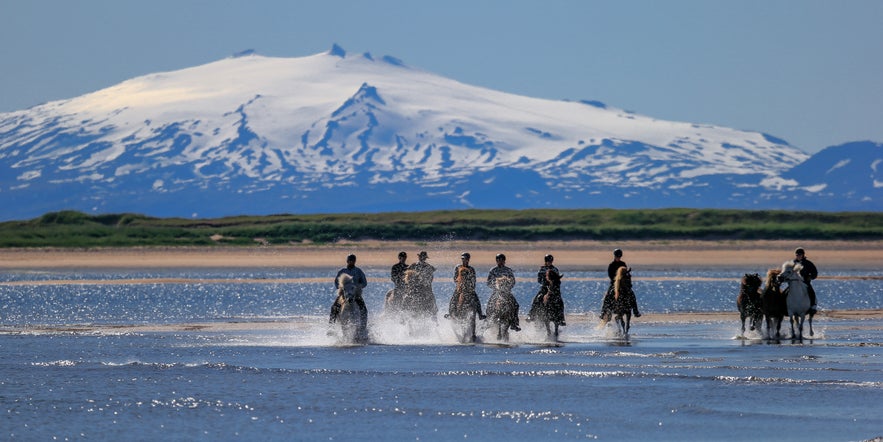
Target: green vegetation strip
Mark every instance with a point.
(76, 229)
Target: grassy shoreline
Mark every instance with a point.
(70, 229)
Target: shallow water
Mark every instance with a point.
(666, 381)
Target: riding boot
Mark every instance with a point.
(363, 310)
(813, 309)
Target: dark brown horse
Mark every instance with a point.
(548, 306)
(464, 306)
(502, 308)
(622, 300)
(748, 301)
(773, 304)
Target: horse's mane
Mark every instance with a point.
(623, 276)
(505, 283)
(342, 281)
(771, 276)
(411, 276)
(553, 276)
(460, 282)
(794, 267)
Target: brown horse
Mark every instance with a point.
(748, 301)
(623, 298)
(502, 308)
(548, 306)
(773, 304)
(418, 300)
(464, 306)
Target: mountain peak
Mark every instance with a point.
(337, 51)
(255, 129)
(245, 53)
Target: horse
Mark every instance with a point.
(623, 299)
(464, 307)
(548, 306)
(502, 308)
(417, 303)
(773, 304)
(797, 298)
(353, 324)
(748, 301)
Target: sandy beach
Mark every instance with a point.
(586, 255)
(573, 255)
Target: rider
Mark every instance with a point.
(611, 273)
(499, 271)
(425, 272)
(359, 279)
(809, 273)
(543, 280)
(397, 275)
(464, 270)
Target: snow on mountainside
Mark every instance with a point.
(335, 132)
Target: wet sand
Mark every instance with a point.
(585, 255)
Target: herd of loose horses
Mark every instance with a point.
(766, 301)
(757, 301)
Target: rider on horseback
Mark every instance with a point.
(607, 307)
(359, 279)
(543, 280)
(502, 271)
(809, 273)
(464, 274)
(397, 275)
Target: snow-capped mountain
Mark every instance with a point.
(335, 132)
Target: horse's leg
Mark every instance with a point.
(628, 321)
(810, 324)
(800, 327)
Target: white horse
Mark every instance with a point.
(353, 325)
(798, 297)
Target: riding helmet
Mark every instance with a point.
(501, 256)
(465, 255)
(548, 258)
(617, 252)
(403, 255)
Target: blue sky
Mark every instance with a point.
(807, 71)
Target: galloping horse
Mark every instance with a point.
(548, 306)
(502, 308)
(623, 299)
(773, 304)
(798, 297)
(353, 325)
(748, 301)
(464, 306)
(418, 300)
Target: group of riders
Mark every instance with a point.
(417, 278)
(412, 291)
